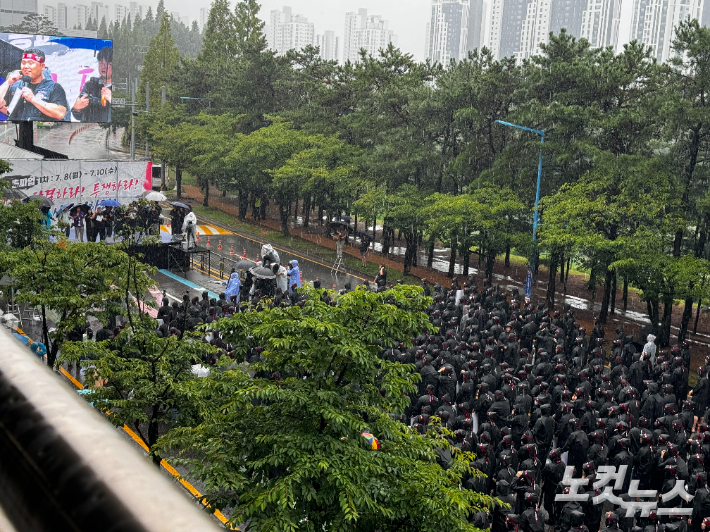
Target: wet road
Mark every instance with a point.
(211, 268)
(75, 142)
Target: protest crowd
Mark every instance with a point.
(571, 434)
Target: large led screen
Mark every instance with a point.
(55, 79)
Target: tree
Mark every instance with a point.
(21, 223)
(33, 24)
(687, 110)
(613, 209)
(142, 377)
(75, 280)
(285, 449)
(102, 32)
(160, 61)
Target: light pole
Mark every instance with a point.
(536, 220)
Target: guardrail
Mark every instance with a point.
(64, 468)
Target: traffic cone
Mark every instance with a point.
(220, 245)
(333, 287)
(245, 253)
(301, 278)
(197, 238)
(257, 257)
(208, 241)
(231, 251)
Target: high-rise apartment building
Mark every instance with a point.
(13, 11)
(448, 31)
(600, 22)
(99, 11)
(535, 29)
(120, 12)
(653, 22)
(51, 13)
(287, 31)
(329, 46)
(368, 32)
(204, 15)
(567, 14)
(476, 25)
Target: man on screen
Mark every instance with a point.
(38, 98)
(94, 101)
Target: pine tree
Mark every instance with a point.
(219, 44)
(102, 32)
(249, 27)
(159, 63)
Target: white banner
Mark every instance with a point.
(78, 182)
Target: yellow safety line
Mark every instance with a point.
(170, 469)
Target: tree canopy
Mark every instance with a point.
(285, 449)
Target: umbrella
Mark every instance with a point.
(346, 218)
(374, 442)
(178, 204)
(110, 203)
(363, 234)
(14, 193)
(262, 273)
(65, 206)
(75, 207)
(244, 264)
(154, 196)
(46, 203)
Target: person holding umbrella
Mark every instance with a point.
(78, 220)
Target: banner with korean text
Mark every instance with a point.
(78, 182)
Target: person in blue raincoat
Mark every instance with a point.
(294, 275)
(233, 287)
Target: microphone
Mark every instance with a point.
(18, 93)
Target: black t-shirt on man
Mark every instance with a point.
(47, 90)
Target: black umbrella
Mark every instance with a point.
(263, 273)
(363, 234)
(346, 218)
(73, 210)
(14, 193)
(47, 203)
(244, 264)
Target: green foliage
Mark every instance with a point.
(142, 377)
(159, 63)
(285, 450)
(75, 280)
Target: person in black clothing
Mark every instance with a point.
(90, 225)
(94, 101)
(41, 99)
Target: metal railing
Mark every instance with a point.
(63, 467)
